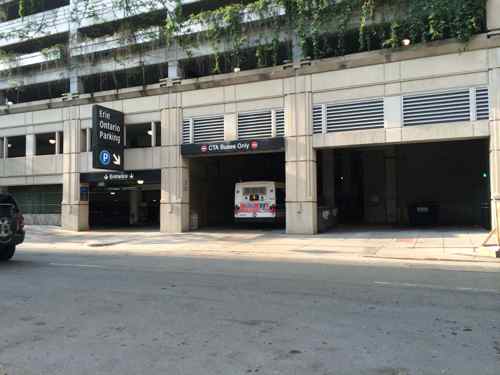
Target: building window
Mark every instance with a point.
(16, 146)
(139, 135)
(45, 144)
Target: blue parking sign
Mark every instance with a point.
(105, 157)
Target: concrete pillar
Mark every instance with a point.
(328, 177)
(230, 127)
(493, 15)
(88, 140)
(297, 53)
(300, 165)
(174, 206)
(58, 143)
(30, 151)
(153, 134)
(175, 70)
(75, 83)
(134, 202)
(30, 145)
(391, 185)
(494, 91)
(75, 213)
(5, 146)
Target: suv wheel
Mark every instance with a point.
(7, 252)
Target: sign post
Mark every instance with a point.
(108, 138)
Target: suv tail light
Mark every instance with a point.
(20, 221)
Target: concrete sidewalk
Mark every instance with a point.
(448, 244)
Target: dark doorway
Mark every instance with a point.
(440, 183)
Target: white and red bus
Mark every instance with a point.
(259, 201)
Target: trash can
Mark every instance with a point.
(423, 213)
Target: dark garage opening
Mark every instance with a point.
(116, 207)
(123, 199)
(428, 184)
(213, 180)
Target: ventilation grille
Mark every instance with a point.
(186, 131)
(280, 123)
(482, 104)
(318, 119)
(255, 125)
(208, 129)
(367, 114)
(436, 108)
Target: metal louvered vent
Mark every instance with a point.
(255, 125)
(208, 129)
(482, 104)
(280, 123)
(425, 109)
(366, 114)
(186, 131)
(318, 119)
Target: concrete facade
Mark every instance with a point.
(390, 75)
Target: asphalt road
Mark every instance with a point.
(97, 313)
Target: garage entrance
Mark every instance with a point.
(123, 200)
(432, 184)
(213, 176)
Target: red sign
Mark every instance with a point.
(204, 148)
(254, 145)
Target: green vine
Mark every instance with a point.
(316, 28)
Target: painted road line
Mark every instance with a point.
(436, 287)
(79, 265)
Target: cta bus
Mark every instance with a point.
(259, 202)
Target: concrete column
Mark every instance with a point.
(494, 90)
(134, 201)
(297, 53)
(30, 145)
(5, 146)
(75, 83)
(492, 13)
(75, 213)
(175, 70)
(153, 134)
(391, 185)
(58, 143)
(300, 165)
(88, 136)
(328, 177)
(230, 127)
(174, 206)
(30, 151)
(393, 115)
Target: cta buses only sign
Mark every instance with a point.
(107, 137)
(234, 147)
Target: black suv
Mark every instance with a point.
(11, 226)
